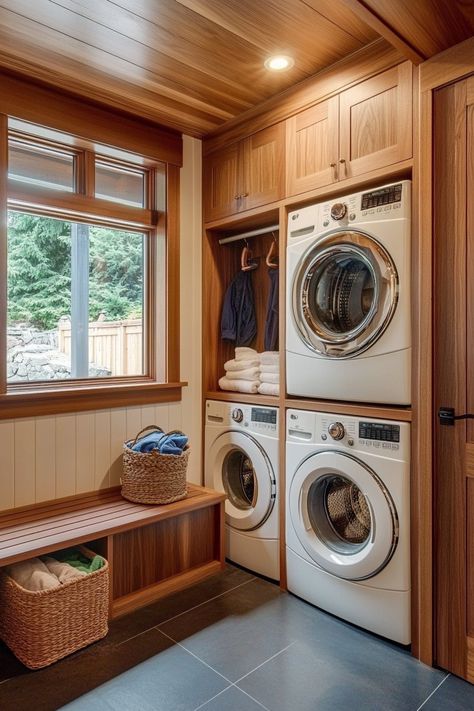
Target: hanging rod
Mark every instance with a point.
(252, 233)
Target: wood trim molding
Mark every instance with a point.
(55, 401)
(173, 272)
(38, 104)
(382, 28)
(368, 61)
(448, 66)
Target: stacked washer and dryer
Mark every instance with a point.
(348, 339)
(347, 477)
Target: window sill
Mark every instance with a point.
(62, 399)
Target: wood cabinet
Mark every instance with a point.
(362, 129)
(375, 122)
(246, 174)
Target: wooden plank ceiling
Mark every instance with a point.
(193, 65)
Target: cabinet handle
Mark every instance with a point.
(342, 161)
(334, 166)
(237, 197)
(244, 195)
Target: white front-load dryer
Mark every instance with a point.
(241, 460)
(348, 518)
(348, 334)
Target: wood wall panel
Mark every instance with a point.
(150, 554)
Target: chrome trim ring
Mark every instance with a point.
(366, 249)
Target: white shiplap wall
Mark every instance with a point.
(44, 458)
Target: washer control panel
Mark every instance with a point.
(379, 437)
(383, 196)
(379, 431)
(249, 418)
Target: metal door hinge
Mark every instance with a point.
(447, 416)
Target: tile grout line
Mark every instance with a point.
(170, 619)
(213, 697)
(265, 662)
(148, 629)
(433, 692)
(231, 683)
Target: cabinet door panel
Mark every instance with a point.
(312, 146)
(376, 122)
(263, 167)
(220, 183)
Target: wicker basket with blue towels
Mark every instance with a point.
(154, 466)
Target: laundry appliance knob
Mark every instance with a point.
(237, 415)
(338, 211)
(336, 430)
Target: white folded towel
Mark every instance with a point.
(269, 389)
(63, 571)
(269, 368)
(269, 358)
(236, 365)
(32, 575)
(244, 353)
(270, 378)
(249, 374)
(239, 386)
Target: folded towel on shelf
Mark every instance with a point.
(173, 443)
(270, 378)
(245, 353)
(269, 368)
(239, 386)
(249, 374)
(32, 575)
(63, 571)
(270, 358)
(269, 389)
(236, 365)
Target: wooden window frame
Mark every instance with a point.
(158, 219)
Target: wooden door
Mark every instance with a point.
(376, 122)
(453, 219)
(263, 167)
(312, 147)
(221, 183)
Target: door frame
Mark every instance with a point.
(445, 68)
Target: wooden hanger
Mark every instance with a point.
(271, 252)
(246, 263)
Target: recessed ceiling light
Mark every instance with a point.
(279, 63)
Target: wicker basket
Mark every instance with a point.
(43, 626)
(151, 477)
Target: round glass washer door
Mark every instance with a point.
(242, 470)
(345, 292)
(343, 515)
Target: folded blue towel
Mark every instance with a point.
(173, 443)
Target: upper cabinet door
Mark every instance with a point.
(221, 183)
(376, 122)
(312, 138)
(263, 167)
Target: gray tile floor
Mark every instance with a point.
(233, 643)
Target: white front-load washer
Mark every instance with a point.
(241, 460)
(348, 333)
(348, 518)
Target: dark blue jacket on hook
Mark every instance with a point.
(238, 321)
(271, 323)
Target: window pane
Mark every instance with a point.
(119, 184)
(75, 300)
(37, 165)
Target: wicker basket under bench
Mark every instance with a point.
(152, 551)
(43, 626)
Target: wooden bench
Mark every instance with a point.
(152, 550)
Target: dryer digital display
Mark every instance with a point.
(264, 414)
(379, 431)
(384, 196)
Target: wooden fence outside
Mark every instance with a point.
(115, 345)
